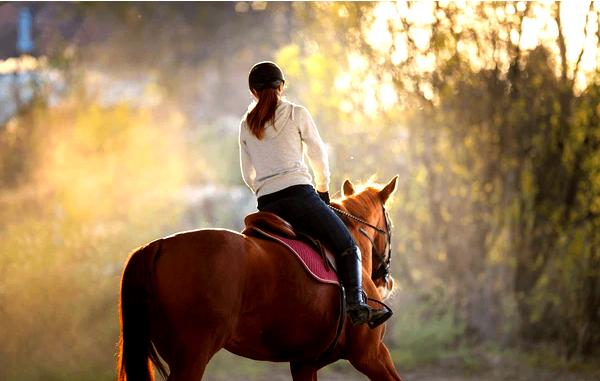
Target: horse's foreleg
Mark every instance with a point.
(303, 372)
(376, 364)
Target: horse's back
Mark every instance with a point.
(201, 266)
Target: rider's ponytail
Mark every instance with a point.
(264, 81)
(263, 112)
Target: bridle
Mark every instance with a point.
(382, 272)
(385, 258)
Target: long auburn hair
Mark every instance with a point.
(263, 111)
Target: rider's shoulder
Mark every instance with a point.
(298, 110)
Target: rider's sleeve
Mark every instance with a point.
(316, 151)
(248, 170)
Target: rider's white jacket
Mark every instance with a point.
(277, 161)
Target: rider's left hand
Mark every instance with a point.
(324, 196)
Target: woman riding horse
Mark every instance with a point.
(271, 139)
(187, 296)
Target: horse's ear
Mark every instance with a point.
(387, 191)
(347, 188)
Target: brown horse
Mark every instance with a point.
(186, 296)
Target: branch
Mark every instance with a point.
(515, 65)
(598, 42)
(480, 50)
(589, 217)
(561, 42)
(585, 37)
(412, 47)
(521, 18)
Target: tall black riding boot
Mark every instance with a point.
(356, 300)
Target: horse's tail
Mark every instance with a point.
(136, 351)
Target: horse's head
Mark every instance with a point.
(371, 227)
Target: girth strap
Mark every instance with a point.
(341, 318)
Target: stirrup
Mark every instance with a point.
(386, 313)
(363, 314)
(379, 320)
(374, 317)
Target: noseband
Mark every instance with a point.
(385, 258)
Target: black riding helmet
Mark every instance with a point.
(265, 74)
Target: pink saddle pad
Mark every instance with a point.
(310, 259)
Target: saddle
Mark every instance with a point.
(270, 226)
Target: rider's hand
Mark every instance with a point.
(324, 196)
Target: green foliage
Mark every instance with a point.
(500, 161)
(103, 182)
(426, 333)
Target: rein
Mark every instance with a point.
(383, 271)
(352, 216)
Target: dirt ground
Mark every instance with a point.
(501, 370)
(434, 375)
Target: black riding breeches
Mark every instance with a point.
(301, 206)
